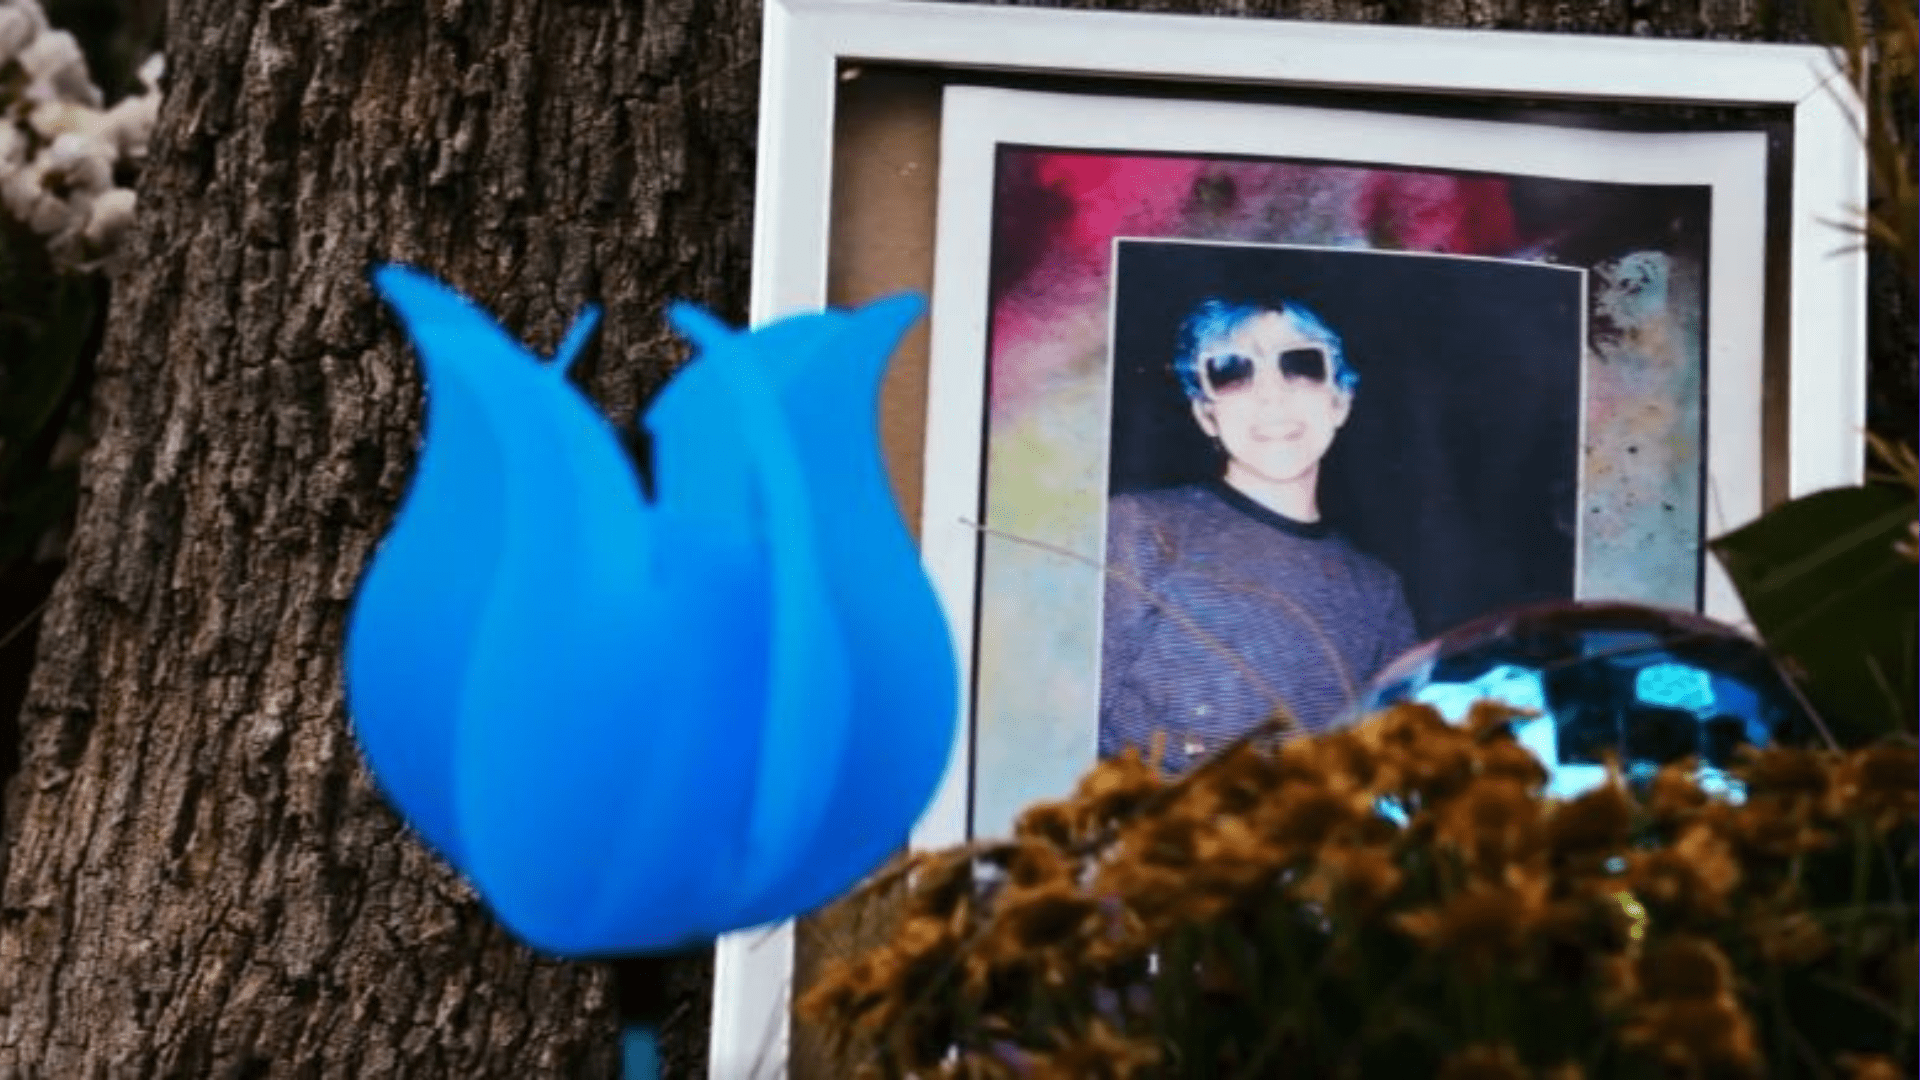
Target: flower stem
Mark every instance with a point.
(643, 1001)
(639, 1053)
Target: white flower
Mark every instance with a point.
(110, 218)
(20, 22)
(13, 146)
(56, 70)
(27, 197)
(54, 193)
(53, 119)
(79, 163)
(58, 148)
(128, 126)
(152, 70)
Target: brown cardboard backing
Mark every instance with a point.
(885, 165)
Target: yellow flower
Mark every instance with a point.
(1688, 1014)
(1583, 933)
(1675, 795)
(1594, 825)
(1488, 718)
(1794, 938)
(1684, 967)
(941, 883)
(1099, 1053)
(1031, 863)
(1775, 828)
(1036, 933)
(1870, 1067)
(1509, 760)
(1484, 1062)
(1696, 1036)
(1233, 859)
(1155, 896)
(1166, 840)
(1695, 876)
(1879, 783)
(845, 994)
(1052, 914)
(1482, 924)
(1493, 822)
(1235, 782)
(1358, 880)
(1349, 756)
(1784, 771)
(1441, 770)
(1304, 818)
(1418, 751)
(1113, 791)
(1051, 822)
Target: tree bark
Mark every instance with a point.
(197, 878)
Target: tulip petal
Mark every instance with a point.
(613, 704)
(529, 692)
(402, 684)
(901, 715)
(878, 766)
(805, 715)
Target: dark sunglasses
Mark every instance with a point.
(1228, 373)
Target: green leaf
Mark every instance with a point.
(1835, 601)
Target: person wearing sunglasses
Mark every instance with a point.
(1230, 601)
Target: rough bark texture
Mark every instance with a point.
(199, 879)
(196, 878)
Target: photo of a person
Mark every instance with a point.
(1231, 600)
(1311, 469)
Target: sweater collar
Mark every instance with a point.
(1234, 497)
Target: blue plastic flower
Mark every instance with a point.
(636, 723)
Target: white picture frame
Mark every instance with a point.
(808, 44)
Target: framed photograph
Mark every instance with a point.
(1259, 351)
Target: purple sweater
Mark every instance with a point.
(1219, 609)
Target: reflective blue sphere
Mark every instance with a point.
(1646, 686)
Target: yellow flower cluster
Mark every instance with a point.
(1400, 899)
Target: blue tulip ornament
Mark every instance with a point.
(639, 715)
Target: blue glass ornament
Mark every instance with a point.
(1646, 686)
(636, 721)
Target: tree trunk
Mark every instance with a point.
(197, 878)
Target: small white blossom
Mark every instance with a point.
(56, 70)
(27, 197)
(52, 119)
(79, 163)
(13, 147)
(109, 220)
(20, 23)
(54, 195)
(151, 71)
(128, 126)
(59, 148)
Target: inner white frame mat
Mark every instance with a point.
(805, 42)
